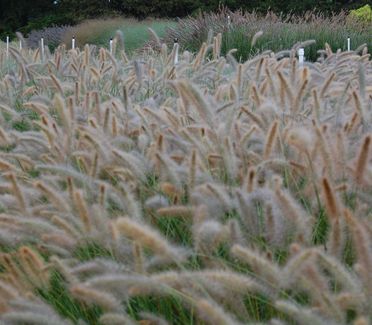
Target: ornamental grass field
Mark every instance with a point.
(137, 191)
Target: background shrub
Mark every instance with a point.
(363, 14)
(53, 36)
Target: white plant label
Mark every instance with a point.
(301, 56)
(176, 48)
(42, 49)
(7, 46)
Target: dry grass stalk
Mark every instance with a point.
(362, 160)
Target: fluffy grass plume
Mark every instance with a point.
(211, 191)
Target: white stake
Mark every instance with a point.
(348, 44)
(301, 56)
(42, 49)
(73, 43)
(228, 21)
(111, 45)
(7, 46)
(176, 48)
(20, 45)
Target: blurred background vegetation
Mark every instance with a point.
(26, 15)
(283, 24)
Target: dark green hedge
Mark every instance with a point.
(26, 15)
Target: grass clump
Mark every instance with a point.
(65, 305)
(277, 32)
(234, 192)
